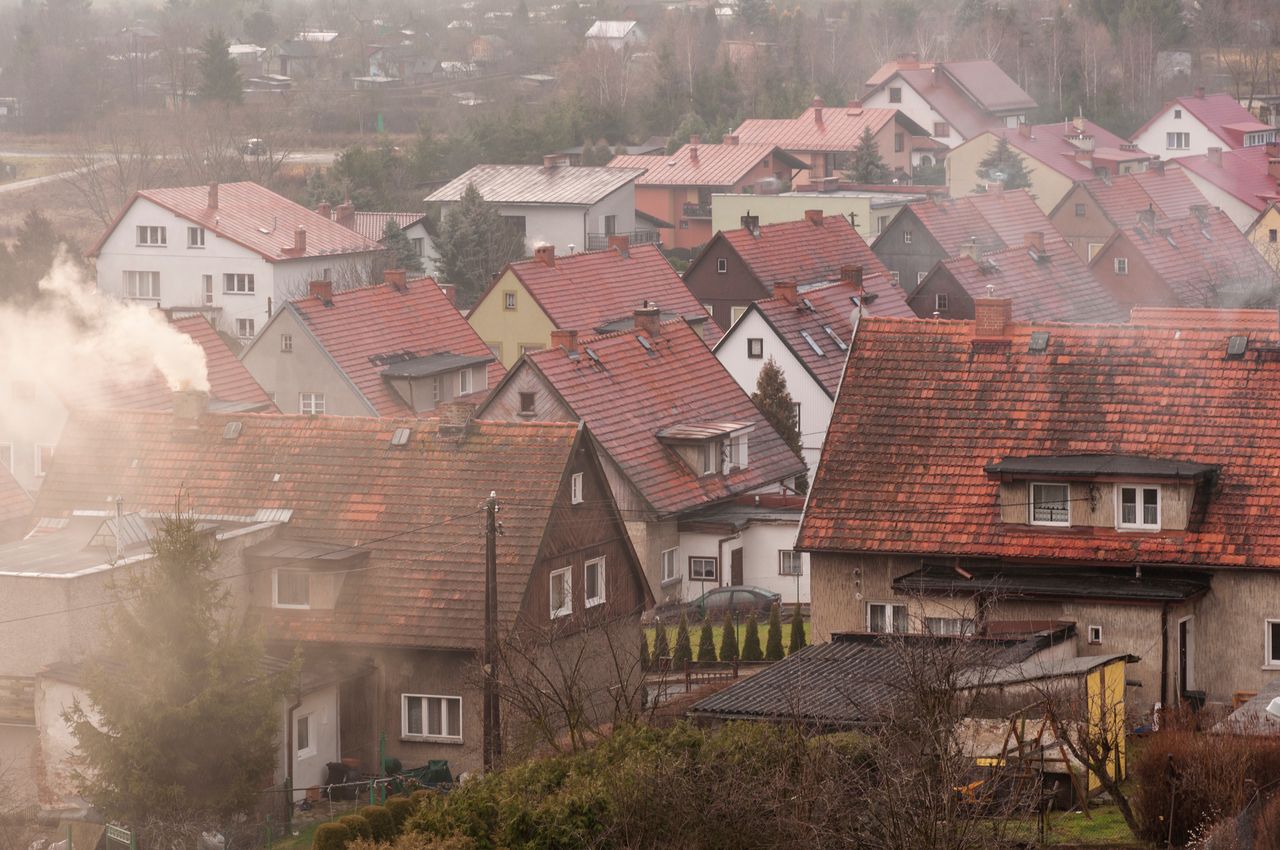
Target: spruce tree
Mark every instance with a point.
(1006, 161)
(683, 652)
(773, 646)
(774, 401)
(706, 642)
(645, 661)
(400, 251)
(219, 73)
(729, 639)
(751, 650)
(798, 638)
(475, 244)
(866, 165)
(661, 647)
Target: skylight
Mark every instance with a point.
(817, 349)
(1236, 346)
(840, 344)
(1039, 341)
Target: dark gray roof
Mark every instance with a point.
(1056, 582)
(434, 364)
(1095, 465)
(287, 549)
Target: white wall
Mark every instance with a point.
(914, 107)
(309, 765)
(428, 253)
(1153, 139)
(1240, 213)
(563, 226)
(760, 543)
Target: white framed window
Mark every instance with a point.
(302, 742)
(940, 302)
(1095, 635)
(195, 237)
(1273, 645)
(1094, 248)
(561, 592)
(575, 488)
(920, 276)
(887, 618)
(735, 453)
(722, 266)
(43, 457)
(755, 348)
(435, 388)
(290, 589)
(237, 284)
(669, 565)
(882, 221)
(1177, 141)
(949, 626)
(464, 382)
(710, 453)
(311, 404)
(508, 300)
(286, 343)
(1138, 507)
(906, 237)
(142, 285)
(419, 246)
(151, 236)
(1120, 265)
(431, 716)
(704, 569)
(790, 563)
(530, 347)
(206, 281)
(245, 328)
(736, 313)
(6, 456)
(593, 582)
(1050, 504)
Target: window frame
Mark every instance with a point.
(599, 598)
(301, 752)
(275, 589)
(527, 396)
(446, 735)
(755, 348)
(564, 574)
(238, 283)
(464, 382)
(941, 130)
(736, 312)
(722, 265)
(1120, 265)
(153, 278)
(1093, 635)
(797, 562)
(1032, 501)
(40, 470)
(286, 343)
(1171, 138)
(665, 576)
(242, 324)
(575, 488)
(1138, 506)
(941, 626)
(1080, 210)
(302, 398)
(895, 94)
(419, 245)
(906, 236)
(151, 230)
(206, 284)
(890, 619)
(509, 299)
(195, 236)
(705, 559)
(940, 302)
(1271, 647)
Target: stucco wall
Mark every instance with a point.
(507, 329)
(727, 210)
(760, 544)
(1154, 139)
(286, 375)
(1047, 185)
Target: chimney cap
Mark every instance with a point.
(814, 216)
(546, 254)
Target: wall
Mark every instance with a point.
(914, 107)
(1240, 213)
(545, 224)
(428, 253)
(285, 375)
(621, 203)
(720, 292)
(1047, 186)
(1081, 231)
(1260, 236)
(924, 299)
(911, 261)
(841, 586)
(309, 768)
(760, 543)
(727, 210)
(509, 329)
(1153, 139)
(1141, 286)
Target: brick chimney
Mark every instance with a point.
(1034, 241)
(729, 139)
(785, 290)
(970, 249)
(300, 240)
(649, 320)
(213, 196)
(345, 214)
(455, 418)
(324, 210)
(398, 279)
(693, 152)
(566, 339)
(1024, 130)
(1200, 91)
(852, 274)
(854, 104)
(321, 290)
(1214, 156)
(991, 317)
(1157, 165)
(813, 217)
(545, 254)
(188, 407)
(1147, 217)
(621, 243)
(818, 104)
(1084, 158)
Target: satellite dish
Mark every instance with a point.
(1274, 708)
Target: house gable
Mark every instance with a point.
(909, 261)
(505, 331)
(722, 292)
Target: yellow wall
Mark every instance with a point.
(1260, 235)
(1047, 186)
(1104, 689)
(525, 325)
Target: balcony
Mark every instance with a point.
(600, 241)
(696, 210)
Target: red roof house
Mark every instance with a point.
(1191, 125)
(1241, 182)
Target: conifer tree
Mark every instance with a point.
(775, 402)
(400, 251)
(751, 650)
(683, 652)
(798, 638)
(661, 647)
(645, 660)
(219, 73)
(773, 647)
(706, 642)
(729, 639)
(1006, 161)
(866, 165)
(475, 244)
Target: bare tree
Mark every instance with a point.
(112, 162)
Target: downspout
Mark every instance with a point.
(289, 739)
(1164, 655)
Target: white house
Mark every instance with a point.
(235, 251)
(1189, 126)
(755, 538)
(615, 34)
(372, 226)
(555, 203)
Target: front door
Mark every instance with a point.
(735, 566)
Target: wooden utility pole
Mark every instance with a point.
(492, 719)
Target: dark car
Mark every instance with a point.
(741, 600)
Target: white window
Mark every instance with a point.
(244, 328)
(291, 589)
(920, 277)
(736, 313)
(1177, 113)
(6, 456)
(152, 236)
(1050, 504)
(464, 382)
(703, 569)
(195, 237)
(145, 285)
(755, 348)
(722, 265)
(669, 565)
(419, 246)
(1177, 141)
(430, 716)
(882, 222)
(953, 626)
(593, 582)
(1138, 507)
(575, 488)
(43, 457)
(1273, 644)
(435, 389)
(1121, 265)
(311, 404)
(207, 281)
(508, 300)
(710, 452)
(302, 736)
(237, 284)
(562, 592)
(940, 302)
(906, 237)
(529, 347)
(286, 343)
(886, 617)
(790, 563)
(1095, 635)
(735, 453)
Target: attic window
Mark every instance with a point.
(400, 438)
(291, 589)
(231, 430)
(527, 403)
(1236, 347)
(645, 344)
(1039, 341)
(840, 344)
(1138, 508)
(817, 349)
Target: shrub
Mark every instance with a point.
(751, 650)
(400, 808)
(331, 836)
(661, 648)
(645, 661)
(420, 796)
(381, 822)
(773, 648)
(707, 642)
(798, 638)
(357, 825)
(683, 652)
(729, 639)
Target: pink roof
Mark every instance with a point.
(1050, 145)
(1011, 214)
(1171, 194)
(1243, 174)
(716, 165)
(986, 83)
(996, 220)
(1217, 112)
(841, 128)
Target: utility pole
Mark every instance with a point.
(492, 719)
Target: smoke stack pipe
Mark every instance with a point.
(649, 320)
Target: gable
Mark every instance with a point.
(508, 329)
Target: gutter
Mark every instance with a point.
(1164, 655)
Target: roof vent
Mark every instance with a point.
(1236, 347)
(232, 430)
(595, 358)
(400, 438)
(645, 344)
(1039, 341)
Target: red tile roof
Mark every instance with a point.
(256, 218)
(1216, 112)
(841, 128)
(1012, 215)
(933, 409)
(15, 503)
(372, 320)
(628, 392)
(996, 220)
(716, 166)
(1243, 174)
(1050, 145)
(416, 508)
(1171, 194)
(813, 312)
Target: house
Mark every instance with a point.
(1113, 476)
(954, 100)
(1094, 209)
(412, 63)
(1188, 126)
(869, 208)
(678, 188)
(398, 348)
(594, 292)
(616, 35)
(654, 146)
(675, 433)
(248, 58)
(761, 528)
(238, 249)
(553, 203)
(927, 232)
(1200, 260)
(1045, 278)
(373, 226)
(1264, 233)
(1056, 157)
(744, 265)
(1240, 182)
(826, 137)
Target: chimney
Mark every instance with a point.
(785, 290)
(324, 211)
(818, 103)
(1273, 167)
(829, 184)
(1034, 240)
(1157, 165)
(321, 290)
(545, 254)
(188, 407)
(1078, 123)
(908, 60)
(1215, 156)
(1200, 92)
(450, 292)
(693, 153)
(397, 278)
(345, 215)
(970, 249)
(937, 75)
(622, 243)
(852, 274)
(1024, 129)
(300, 240)
(729, 139)
(1200, 211)
(649, 319)
(991, 317)
(1084, 158)
(213, 196)
(752, 223)
(813, 217)
(854, 104)
(566, 339)
(554, 160)
(455, 419)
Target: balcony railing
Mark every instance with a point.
(600, 241)
(696, 211)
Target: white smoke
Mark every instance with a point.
(75, 344)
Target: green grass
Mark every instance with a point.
(301, 841)
(695, 633)
(1104, 827)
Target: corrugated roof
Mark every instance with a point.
(570, 185)
(716, 166)
(372, 225)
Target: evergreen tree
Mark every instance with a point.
(683, 652)
(645, 661)
(774, 401)
(174, 659)
(751, 650)
(706, 642)
(400, 251)
(798, 638)
(34, 249)
(867, 166)
(1006, 162)
(260, 27)
(773, 646)
(729, 639)
(661, 647)
(219, 73)
(475, 244)
(753, 13)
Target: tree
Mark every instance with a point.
(751, 650)
(475, 244)
(706, 642)
(34, 250)
(1005, 165)
(683, 652)
(729, 639)
(798, 638)
(400, 250)
(219, 74)
(661, 647)
(867, 166)
(174, 659)
(773, 646)
(260, 26)
(646, 660)
(775, 402)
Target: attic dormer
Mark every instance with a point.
(709, 448)
(301, 574)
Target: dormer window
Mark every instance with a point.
(1050, 504)
(709, 448)
(291, 589)
(1138, 508)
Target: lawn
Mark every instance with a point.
(695, 634)
(1104, 827)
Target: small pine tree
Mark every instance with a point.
(706, 642)
(475, 244)
(683, 652)
(867, 166)
(775, 402)
(400, 251)
(661, 647)
(729, 639)
(798, 638)
(645, 661)
(1006, 161)
(773, 647)
(219, 73)
(751, 650)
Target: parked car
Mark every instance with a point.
(254, 147)
(741, 600)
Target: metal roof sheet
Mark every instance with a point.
(571, 185)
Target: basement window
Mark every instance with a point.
(1138, 508)
(291, 589)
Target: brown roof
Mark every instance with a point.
(570, 185)
(715, 165)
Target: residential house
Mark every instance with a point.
(1045, 278)
(1094, 209)
(553, 203)
(954, 100)
(655, 146)
(398, 348)
(248, 58)
(1240, 182)
(759, 531)
(678, 188)
(595, 292)
(616, 35)
(373, 226)
(1264, 233)
(675, 433)
(1200, 260)
(869, 208)
(310, 54)
(1188, 126)
(744, 265)
(1056, 157)
(411, 63)
(1113, 476)
(238, 250)
(826, 137)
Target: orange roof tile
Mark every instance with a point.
(715, 165)
(825, 313)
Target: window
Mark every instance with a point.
(1272, 235)
(882, 221)
(1177, 141)
(709, 453)
(302, 736)
(207, 281)
(610, 225)
(152, 236)
(286, 343)
(464, 382)
(1120, 265)
(195, 237)
(669, 565)
(6, 456)
(1177, 113)
(941, 129)
(145, 285)
(291, 589)
(1139, 507)
(704, 569)
(435, 389)
(722, 266)
(920, 277)
(940, 302)
(311, 404)
(735, 453)
(244, 328)
(1273, 644)
(789, 563)
(795, 405)
(684, 224)
(1095, 635)
(527, 402)
(906, 237)
(508, 300)
(593, 582)
(953, 626)
(885, 618)
(899, 142)
(1094, 248)
(755, 348)
(237, 284)
(419, 246)
(895, 277)
(895, 94)
(1050, 504)
(426, 716)
(526, 347)
(736, 313)
(561, 592)
(1079, 210)
(43, 457)
(575, 488)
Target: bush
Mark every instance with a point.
(420, 796)
(729, 639)
(798, 639)
(357, 825)
(683, 652)
(661, 649)
(401, 808)
(380, 821)
(331, 836)
(707, 642)
(751, 650)
(645, 661)
(773, 648)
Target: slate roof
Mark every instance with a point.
(566, 185)
(841, 128)
(1220, 113)
(417, 509)
(717, 166)
(626, 393)
(1242, 174)
(937, 408)
(254, 217)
